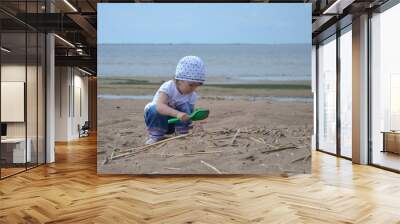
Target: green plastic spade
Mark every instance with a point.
(197, 115)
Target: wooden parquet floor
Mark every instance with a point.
(70, 191)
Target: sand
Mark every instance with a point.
(274, 138)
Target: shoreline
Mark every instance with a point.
(211, 80)
(139, 87)
(248, 98)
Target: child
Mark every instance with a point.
(175, 98)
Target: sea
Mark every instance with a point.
(225, 63)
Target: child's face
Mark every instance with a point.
(186, 87)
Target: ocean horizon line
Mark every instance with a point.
(204, 44)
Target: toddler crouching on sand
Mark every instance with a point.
(175, 98)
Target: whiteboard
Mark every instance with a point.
(12, 101)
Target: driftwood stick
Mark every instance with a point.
(196, 153)
(105, 161)
(256, 140)
(156, 143)
(210, 166)
(214, 132)
(278, 149)
(172, 168)
(221, 138)
(112, 155)
(302, 159)
(108, 158)
(235, 136)
(223, 145)
(146, 147)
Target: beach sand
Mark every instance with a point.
(274, 138)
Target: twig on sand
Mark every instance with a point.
(221, 138)
(278, 149)
(235, 136)
(172, 168)
(214, 132)
(302, 159)
(134, 151)
(196, 153)
(223, 145)
(105, 161)
(112, 154)
(210, 166)
(256, 140)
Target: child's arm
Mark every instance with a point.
(163, 108)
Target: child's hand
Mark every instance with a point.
(183, 116)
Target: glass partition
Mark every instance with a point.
(385, 89)
(14, 153)
(346, 92)
(327, 95)
(32, 87)
(31, 99)
(22, 88)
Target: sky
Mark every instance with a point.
(200, 23)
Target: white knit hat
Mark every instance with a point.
(191, 68)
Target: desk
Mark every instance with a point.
(13, 150)
(391, 141)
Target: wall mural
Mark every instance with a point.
(204, 89)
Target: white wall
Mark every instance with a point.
(81, 89)
(62, 82)
(70, 83)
